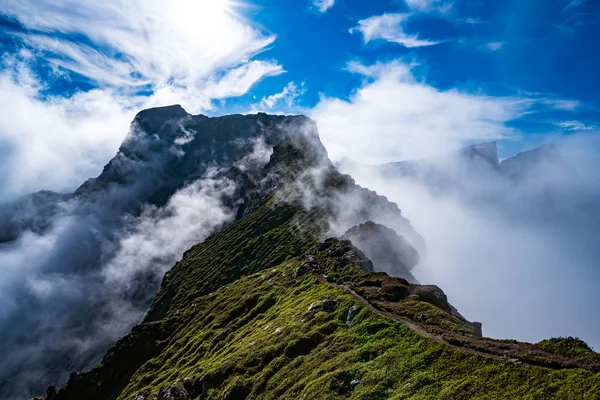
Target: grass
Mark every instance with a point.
(249, 340)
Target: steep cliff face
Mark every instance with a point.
(271, 307)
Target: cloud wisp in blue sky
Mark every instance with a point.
(389, 27)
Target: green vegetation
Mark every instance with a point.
(263, 239)
(268, 335)
(571, 347)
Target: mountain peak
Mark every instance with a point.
(487, 151)
(163, 112)
(547, 157)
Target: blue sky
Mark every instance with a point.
(386, 80)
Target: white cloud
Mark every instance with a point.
(575, 126)
(57, 142)
(286, 97)
(389, 27)
(429, 5)
(478, 253)
(160, 235)
(393, 116)
(140, 42)
(323, 5)
(494, 46)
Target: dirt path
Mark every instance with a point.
(415, 327)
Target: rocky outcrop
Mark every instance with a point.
(388, 251)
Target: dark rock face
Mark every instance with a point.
(388, 251)
(326, 305)
(173, 392)
(346, 253)
(166, 148)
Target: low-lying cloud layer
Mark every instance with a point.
(79, 287)
(521, 256)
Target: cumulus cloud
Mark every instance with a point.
(394, 116)
(323, 5)
(389, 27)
(55, 142)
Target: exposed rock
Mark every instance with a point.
(477, 327)
(173, 392)
(346, 253)
(310, 264)
(433, 295)
(388, 251)
(50, 392)
(326, 305)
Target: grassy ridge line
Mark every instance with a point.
(250, 340)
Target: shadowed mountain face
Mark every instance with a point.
(389, 252)
(82, 268)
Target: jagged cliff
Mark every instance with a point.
(272, 306)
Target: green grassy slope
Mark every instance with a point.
(244, 320)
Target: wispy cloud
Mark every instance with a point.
(323, 5)
(573, 4)
(286, 97)
(148, 44)
(429, 5)
(494, 46)
(576, 126)
(560, 104)
(389, 27)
